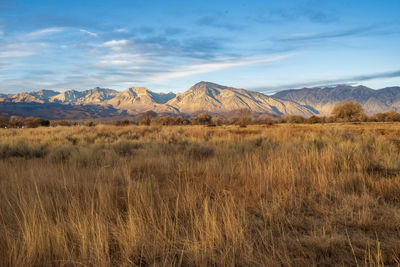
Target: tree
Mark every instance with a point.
(16, 122)
(32, 122)
(45, 123)
(217, 121)
(202, 119)
(389, 116)
(294, 119)
(245, 117)
(264, 119)
(348, 111)
(122, 123)
(90, 123)
(3, 122)
(62, 123)
(314, 119)
(145, 118)
(169, 120)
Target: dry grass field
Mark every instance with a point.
(280, 195)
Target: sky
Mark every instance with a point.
(169, 45)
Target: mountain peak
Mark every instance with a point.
(215, 98)
(137, 90)
(207, 85)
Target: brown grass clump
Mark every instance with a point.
(287, 195)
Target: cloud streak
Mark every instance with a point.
(191, 70)
(329, 35)
(89, 33)
(329, 82)
(42, 32)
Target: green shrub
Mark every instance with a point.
(61, 154)
(22, 149)
(125, 148)
(198, 152)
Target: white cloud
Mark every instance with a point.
(89, 33)
(128, 61)
(42, 32)
(114, 62)
(116, 43)
(121, 30)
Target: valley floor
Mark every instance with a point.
(280, 195)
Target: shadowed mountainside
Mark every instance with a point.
(55, 111)
(323, 99)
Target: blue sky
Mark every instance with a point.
(171, 45)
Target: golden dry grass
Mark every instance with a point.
(284, 195)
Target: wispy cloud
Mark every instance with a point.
(89, 33)
(17, 49)
(329, 35)
(121, 30)
(191, 70)
(114, 62)
(327, 82)
(42, 32)
(15, 53)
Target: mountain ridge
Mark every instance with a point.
(201, 97)
(323, 99)
(210, 97)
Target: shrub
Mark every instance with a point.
(198, 152)
(90, 123)
(3, 122)
(32, 122)
(201, 119)
(145, 118)
(16, 122)
(263, 120)
(390, 116)
(234, 121)
(295, 119)
(22, 149)
(217, 121)
(169, 120)
(63, 123)
(348, 111)
(62, 153)
(125, 148)
(244, 117)
(94, 155)
(314, 119)
(330, 119)
(122, 123)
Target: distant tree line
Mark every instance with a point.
(19, 122)
(343, 112)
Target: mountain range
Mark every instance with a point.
(323, 99)
(202, 97)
